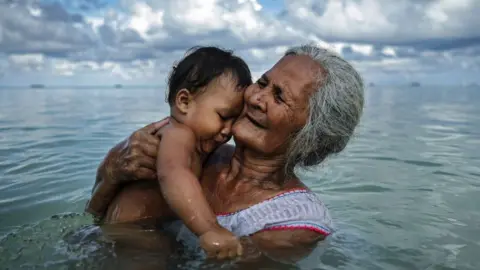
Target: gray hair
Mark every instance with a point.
(334, 109)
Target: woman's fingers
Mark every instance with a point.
(140, 167)
(145, 162)
(146, 174)
(149, 145)
(146, 142)
(156, 126)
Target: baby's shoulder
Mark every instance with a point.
(177, 134)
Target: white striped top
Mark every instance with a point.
(294, 209)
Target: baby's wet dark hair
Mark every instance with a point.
(202, 65)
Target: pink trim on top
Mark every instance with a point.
(297, 227)
(294, 190)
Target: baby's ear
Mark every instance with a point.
(183, 100)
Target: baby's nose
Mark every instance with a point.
(226, 132)
(227, 129)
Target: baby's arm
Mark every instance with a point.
(179, 185)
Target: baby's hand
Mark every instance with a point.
(221, 243)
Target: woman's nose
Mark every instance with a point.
(256, 99)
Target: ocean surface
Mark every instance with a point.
(405, 194)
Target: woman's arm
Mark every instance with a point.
(130, 160)
(103, 192)
(288, 246)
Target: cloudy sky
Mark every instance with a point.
(71, 42)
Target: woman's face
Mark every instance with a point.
(276, 106)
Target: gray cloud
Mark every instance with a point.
(84, 5)
(410, 36)
(56, 12)
(426, 25)
(22, 32)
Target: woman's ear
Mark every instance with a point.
(183, 100)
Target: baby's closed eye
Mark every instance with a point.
(228, 115)
(224, 116)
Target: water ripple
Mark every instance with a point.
(404, 193)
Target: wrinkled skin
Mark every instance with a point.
(130, 165)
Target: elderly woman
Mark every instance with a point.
(302, 110)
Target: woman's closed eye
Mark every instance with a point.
(278, 94)
(262, 83)
(277, 91)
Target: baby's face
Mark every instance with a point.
(214, 112)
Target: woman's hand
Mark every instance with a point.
(135, 157)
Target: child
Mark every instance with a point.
(205, 97)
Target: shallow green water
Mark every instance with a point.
(405, 193)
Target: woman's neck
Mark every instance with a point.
(254, 168)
